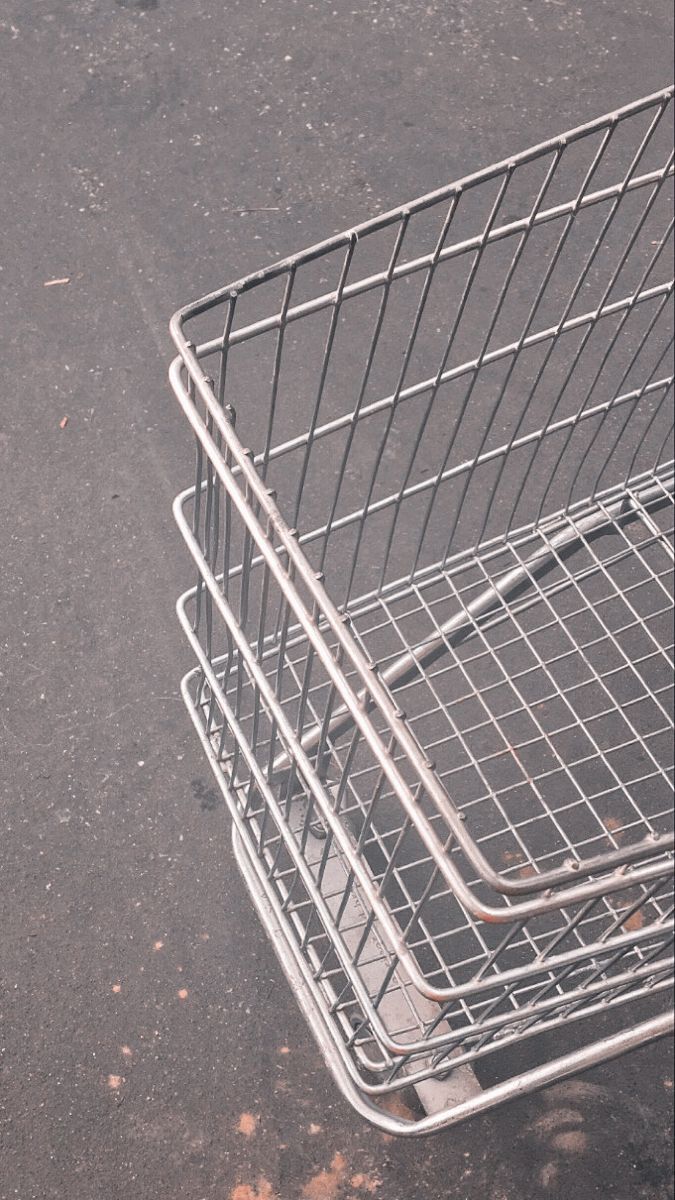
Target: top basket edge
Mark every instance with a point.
(202, 304)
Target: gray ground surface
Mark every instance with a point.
(133, 134)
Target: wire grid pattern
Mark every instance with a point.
(392, 1034)
(380, 835)
(456, 954)
(646, 405)
(535, 740)
(542, 351)
(384, 1074)
(550, 722)
(604, 710)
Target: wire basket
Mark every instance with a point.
(432, 525)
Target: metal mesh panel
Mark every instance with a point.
(432, 525)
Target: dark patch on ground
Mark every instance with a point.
(142, 4)
(208, 797)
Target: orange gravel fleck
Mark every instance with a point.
(261, 1191)
(247, 1124)
(365, 1183)
(326, 1184)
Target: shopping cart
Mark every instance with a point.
(432, 526)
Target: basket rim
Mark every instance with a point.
(244, 283)
(188, 360)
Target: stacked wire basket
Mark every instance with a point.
(432, 526)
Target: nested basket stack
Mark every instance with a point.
(432, 524)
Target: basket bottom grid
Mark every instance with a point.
(550, 719)
(424, 1033)
(630, 559)
(355, 1049)
(454, 1097)
(584, 648)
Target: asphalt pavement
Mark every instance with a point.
(151, 150)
